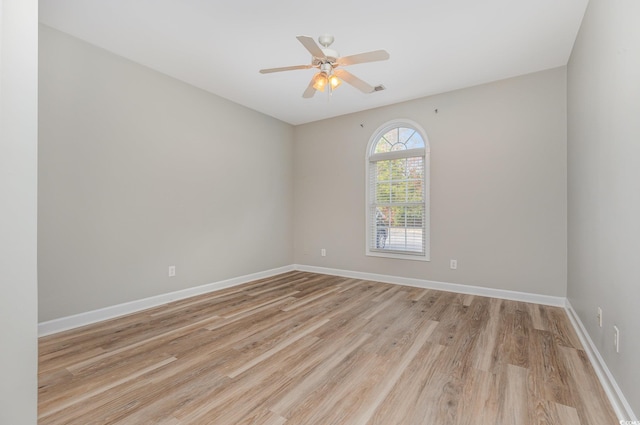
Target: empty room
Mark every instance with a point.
(299, 213)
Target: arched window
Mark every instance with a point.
(398, 192)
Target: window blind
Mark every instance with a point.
(397, 209)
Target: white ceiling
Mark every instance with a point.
(219, 45)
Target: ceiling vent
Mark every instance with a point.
(379, 87)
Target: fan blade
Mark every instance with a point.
(284, 68)
(377, 55)
(310, 44)
(354, 81)
(310, 91)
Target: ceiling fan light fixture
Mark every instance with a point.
(334, 82)
(320, 81)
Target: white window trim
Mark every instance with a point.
(375, 136)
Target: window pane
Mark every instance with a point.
(406, 134)
(382, 170)
(399, 191)
(398, 168)
(415, 191)
(391, 136)
(380, 230)
(414, 216)
(396, 216)
(382, 146)
(415, 168)
(405, 232)
(415, 141)
(383, 193)
(399, 180)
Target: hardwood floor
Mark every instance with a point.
(304, 349)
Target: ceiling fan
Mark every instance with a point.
(329, 64)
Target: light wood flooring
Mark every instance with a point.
(306, 349)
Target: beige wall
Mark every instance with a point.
(604, 183)
(498, 186)
(18, 191)
(139, 171)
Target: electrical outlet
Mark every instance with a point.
(616, 339)
(453, 264)
(323, 252)
(172, 271)
(599, 316)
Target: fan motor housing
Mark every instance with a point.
(330, 54)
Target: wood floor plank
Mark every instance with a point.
(262, 417)
(479, 404)
(549, 369)
(310, 381)
(567, 415)
(162, 338)
(561, 328)
(590, 404)
(311, 349)
(323, 405)
(84, 393)
(248, 390)
(256, 360)
(392, 376)
(410, 398)
(486, 346)
(513, 409)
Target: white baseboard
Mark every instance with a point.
(618, 401)
(82, 319)
(441, 286)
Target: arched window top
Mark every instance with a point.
(398, 139)
(397, 136)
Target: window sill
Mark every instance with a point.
(398, 255)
